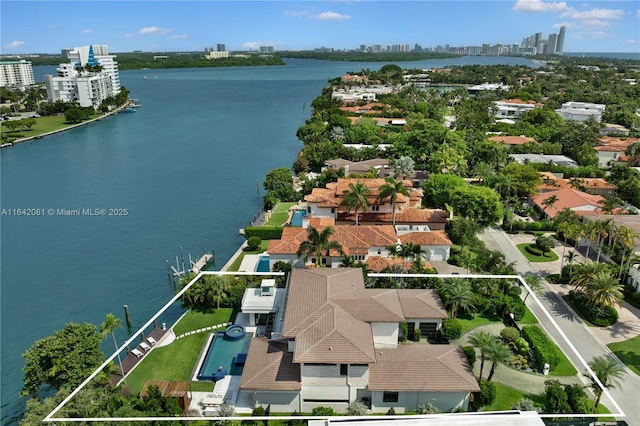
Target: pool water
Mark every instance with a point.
(222, 352)
(296, 220)
(263, 264)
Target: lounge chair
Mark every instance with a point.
(144, 346)
(152, 341)
(137, 353)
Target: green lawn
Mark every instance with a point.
(507, 396)
(628, 352)
(528, 318)
(469, 322)
(279, 214)
(177, 360)
(564, 367)
(549, 257)
(43, 125)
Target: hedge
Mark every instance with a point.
(264, 232)
(544, 350)
(518, 225)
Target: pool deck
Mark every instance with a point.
(249, 263)
(130, 361)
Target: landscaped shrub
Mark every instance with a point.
(509, 334)
(404, 330)
(451, 329)
(520, 362)
(391, 412)
(521, 345)
(356, 408)
(601, 317)
(544, 350)
(470, 352)
(254, 242)
(258, 411)
(631, 295)
(264, 232)
(487, 394)
(323, 411)
(416, 335)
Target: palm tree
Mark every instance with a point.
(391, 190)
(608, 371)
(482, 340)
(108, 327)
(217, 289)
(549, 202)
(535, 284)
(563, 229)
(356, 198)
(610, 204)
(584, 274)
(590, 232)
(458, 293)
(604, 290)
(604, 228)
(318, 243)
(626, 237)
(497, 353)
(348, 261)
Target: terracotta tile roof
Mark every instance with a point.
(379, 264)
(511, 140)
(550, 182)
(412, 216)
(442, 368)
(329, 312)
(432, 238)
(421, 303)
(597, 183)
(521, 102)
(568, 198)
(270, 367)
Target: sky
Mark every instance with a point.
(168, 26)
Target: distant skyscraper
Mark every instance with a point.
(18, 74)
(560, 43)
(552, 43)
(221, 47)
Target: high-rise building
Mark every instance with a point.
(552, 44)
(90, 77)
(560, 42)
(16, 74)
(221, 47)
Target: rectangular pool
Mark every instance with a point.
(296, 219)
(263, 264)
(222, 352)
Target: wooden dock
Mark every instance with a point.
(202, 262)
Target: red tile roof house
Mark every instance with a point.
(578, 201)
(613, 149)
(367, 243)
(595, 186)
(326, 202)
(340, 344)
(509, 141)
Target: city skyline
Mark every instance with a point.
(595, 26)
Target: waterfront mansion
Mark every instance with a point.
(338, 343)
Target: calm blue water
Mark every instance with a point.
(222, 352)
(263, 264)
(185, 166)
(296, 219)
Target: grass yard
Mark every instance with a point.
(549, 257)
(528, 318)
(43, 125)
(279, 214)
(564, 367)
(628, 352)
(507, 396)
(177, 360)
(469, 322)
(238, 261)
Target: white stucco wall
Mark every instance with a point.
(278, 401)
(385, 335)
(409, 401)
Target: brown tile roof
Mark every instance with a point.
(329, 312)
(379, 264)
(269, 366)
(421, 303)
(568, 198)
(432, 238)
(442, 368)
(511, 140)
(550, 182)
(521, 102)
(413, 216)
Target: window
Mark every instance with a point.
(333, 210)
(390, 397)
(375, 208)
(344, 368)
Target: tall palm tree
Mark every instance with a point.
(626, 237)
(356, 198)
(391, 190)
(458, 294)
(549, 202)
(604, 290)
(585, 273)
(482, 340)
(498, 354)
(590, 233)
(608, 371)
(604, 228)
(535, 284)
(318, 243)
(217, 289)
(108, 327)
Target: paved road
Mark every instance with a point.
(586, 344)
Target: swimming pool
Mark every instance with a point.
(296, 220)
(223, 352)
(263, 264)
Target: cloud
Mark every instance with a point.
(594, 14)
(631, 41)
(331, 16)
(179, 37)
(296, 13)
(86, 31)
(596, 23)
(153, 30)
(128, 35)
(14, 44)
(535, 6)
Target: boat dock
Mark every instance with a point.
(201, 263)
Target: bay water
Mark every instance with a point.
(187, 168)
